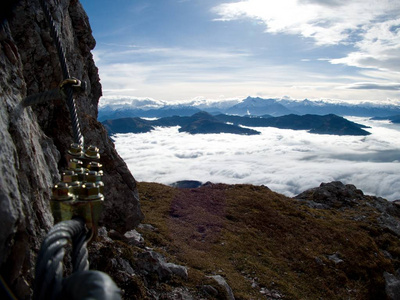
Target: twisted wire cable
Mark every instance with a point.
(56, 37)
(79, 253)
(77, 134)
(49, 264)
(76, 129)
(42, 97)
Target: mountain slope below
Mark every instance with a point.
(332, 242)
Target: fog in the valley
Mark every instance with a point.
(286, 161)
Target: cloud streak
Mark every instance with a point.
(374, 86)
(165, 74)
(286, 161)
(221, 75)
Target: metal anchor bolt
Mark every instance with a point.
(75, 150)
(92, 152)
(95, 166)
(93, 176)
(69, 176)
(62, 192)
(90, 191)
(75, 164)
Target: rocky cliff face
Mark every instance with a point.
(35, 139)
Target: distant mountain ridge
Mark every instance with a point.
(393, 119)
(205, 123)
(328, 124)
(259, 106)
(200, 122)
(256, 106)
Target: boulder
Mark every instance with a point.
(134, 238)
(222, 282)
(151, 262)
(332, 195)
(392, 286)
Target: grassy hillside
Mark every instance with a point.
(268, 246)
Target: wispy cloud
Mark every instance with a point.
(171, 54)
(378, 46)
(373, 86)
(181, 74)
(327, 22)
(371, 27)
(286, 161)
(176, 50)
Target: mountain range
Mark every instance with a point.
(255, 106)
(203, 122)
(200, 122)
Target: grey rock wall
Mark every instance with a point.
(33, 141)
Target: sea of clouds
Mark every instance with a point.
(287, 161)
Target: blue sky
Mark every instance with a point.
(215, 49)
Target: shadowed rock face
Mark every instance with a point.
(333, 195)
(34, 140)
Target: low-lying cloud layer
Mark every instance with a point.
(286, 161)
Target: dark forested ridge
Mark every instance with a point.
(204, 123)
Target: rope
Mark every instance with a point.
(49, 264)
(76, 130)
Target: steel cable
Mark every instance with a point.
(49, 264)
(79, 257)
(56, 38)
(42, 97)
(77, 134)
